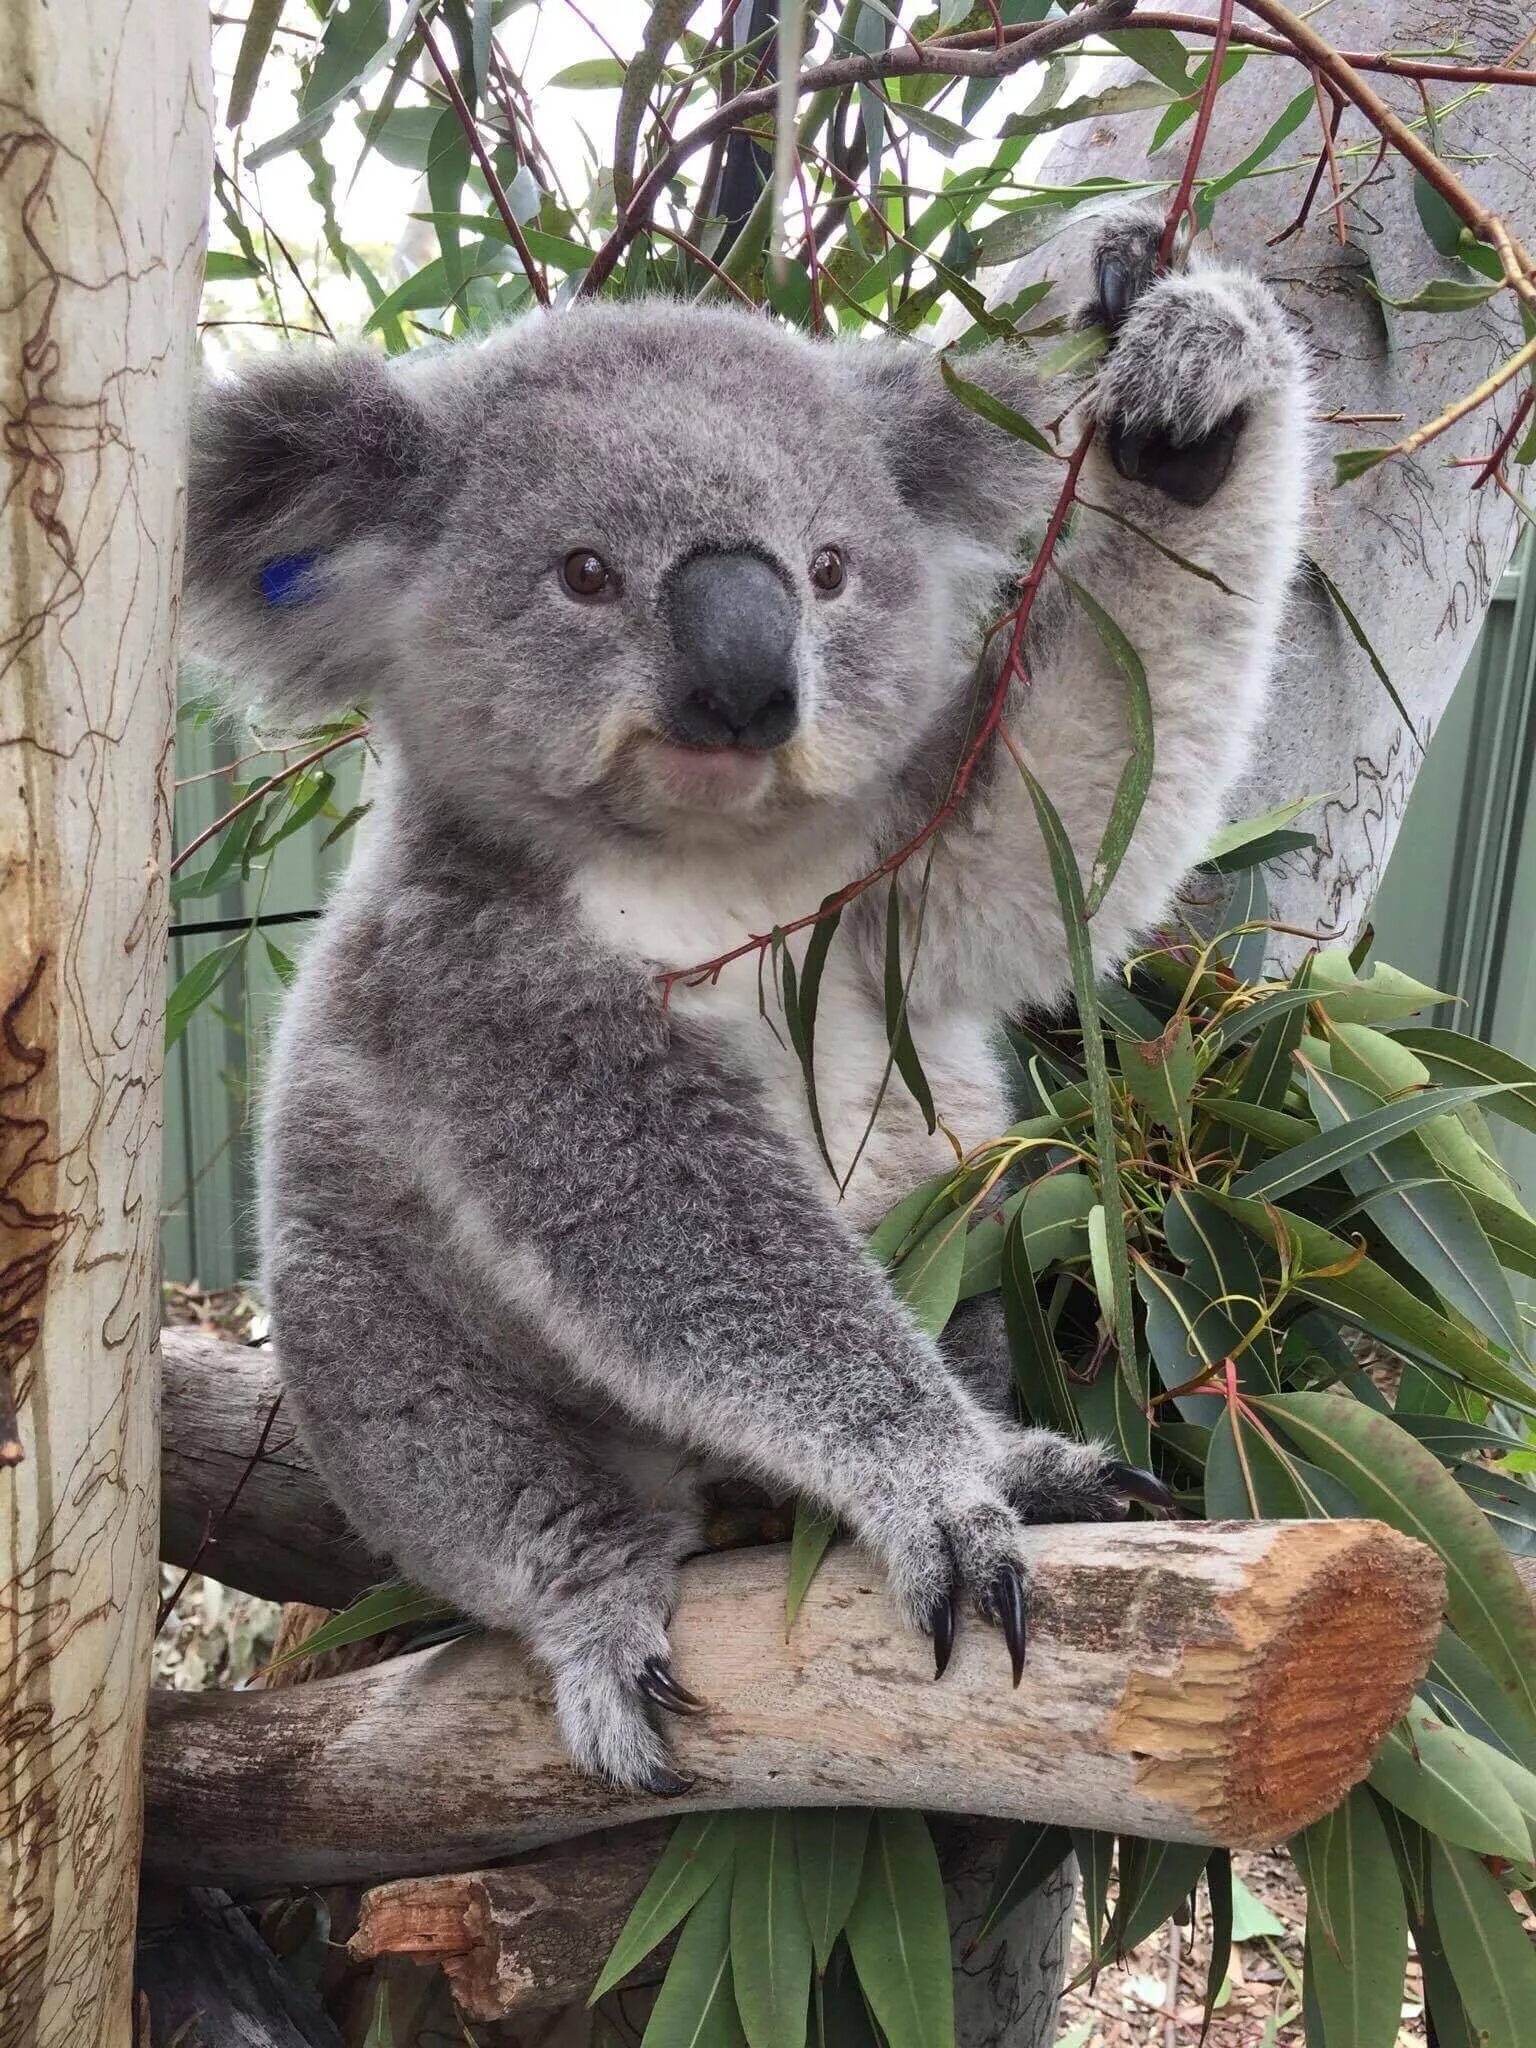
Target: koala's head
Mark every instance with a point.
(621, 568)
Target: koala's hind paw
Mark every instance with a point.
(963, 1551)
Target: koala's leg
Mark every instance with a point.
(480, 1491)
(1201, 443)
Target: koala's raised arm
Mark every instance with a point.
(1202, 441)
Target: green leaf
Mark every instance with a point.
(801, 997)
(1451, 1056)
(1157, 50)
(1357, 631)
(1220, 1886)
(770, 1936)
(1032, 1853)
(981, 401)
(1490, 1954)
(1218, 1257)
(374, 1613)
(842, 2017)
(1069, 894)
(381, 2028)
(1251, 1918)
(1169, 554)
(1053, 1226)
(1398, 1480)
(262, 17)
(1432, 1223)
(1095, 1853)
(814, 1529)
(317, 115)
(898, 1933)
(928, 1278)
(1136, 776)
(693, 1863)
(898, 1028)
(355, 32)
(1331, 1150)
(830, 1842)
(898, 1224)
(222, 264)
(1250, 1478)
(1156, 1878)
(1440, 295)
(1285, 124)
(1436, 1775)
(1160, 1072)
(1358, 1931)
(1232, 838)
(1038, 1372)
(696, 2007)
(284, 968)
(433, 285)
(198, 984)
(1449, 232)
(1132, 98)
(592, 74)
(1349, 463)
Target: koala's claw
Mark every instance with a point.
(1005, 1604)
(667, 1784)
(659, 1685)
(1136, 1483)
(942, 1621)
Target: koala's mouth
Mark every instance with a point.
(706, 778)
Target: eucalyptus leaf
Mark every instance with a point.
(695, 1861)
(830, 1842)
(770, 1935)
(898, 1934)
(696, 2006)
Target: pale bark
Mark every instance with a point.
(104, 165)
(1416, 552)
(1223, 1684)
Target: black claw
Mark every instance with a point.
(941, 1626)
(1137, 1484)
(667, 1784)
(658, 1684)
(1005, 1603)
(1115, 287)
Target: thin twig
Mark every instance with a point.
(536, 278)
(263, 789)
(1330, 111)
(1507, 439)
(1181, 207)
(216, 1522)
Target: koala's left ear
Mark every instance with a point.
(951, 465)
(301, 465)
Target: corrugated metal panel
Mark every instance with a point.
(212, 1074)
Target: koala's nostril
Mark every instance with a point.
(733, 620)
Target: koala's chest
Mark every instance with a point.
(674, 914)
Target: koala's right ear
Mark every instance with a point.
(305, 473)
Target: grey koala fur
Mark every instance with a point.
(539, 1248)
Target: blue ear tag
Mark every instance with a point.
(289, 579)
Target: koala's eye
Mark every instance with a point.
(586, 574)
(827, 571)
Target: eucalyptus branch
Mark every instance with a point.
(933, 59)
(538, 283)
(265, 789)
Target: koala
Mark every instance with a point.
(668, 620)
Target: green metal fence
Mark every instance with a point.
(1457, 907)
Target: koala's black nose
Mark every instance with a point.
(733, 621)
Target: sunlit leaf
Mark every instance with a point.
(374, 1613)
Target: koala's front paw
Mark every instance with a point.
(1189, 358)
(966, 1546)
(606, 1646)
(1048, 1478)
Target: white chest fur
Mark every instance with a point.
(673, 911)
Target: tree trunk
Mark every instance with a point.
(104, 164)
(1223, 1685)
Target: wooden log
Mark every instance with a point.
(1226, 1684)
(204, 1978)
(529, 1936)
(238, 1496)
